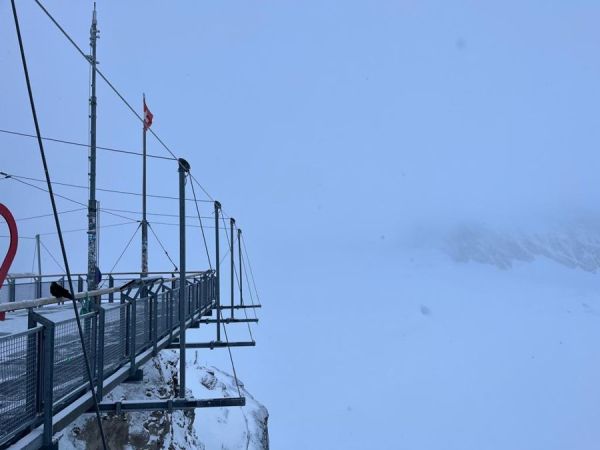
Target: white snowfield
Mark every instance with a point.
(211, 428)
(495, 359)
(411, 349)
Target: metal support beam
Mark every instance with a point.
(242, 306)
(213, 344)
(183, 169)
(228, 321)
(170, 405)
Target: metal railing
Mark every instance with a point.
(30, 286)
(42, 369)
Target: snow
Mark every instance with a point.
(211, 428)
(229, 428)
(16, 321)
(407, 348)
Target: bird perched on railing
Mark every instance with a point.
(60, 292)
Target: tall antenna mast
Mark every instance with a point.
(92, 209)
(144, 221)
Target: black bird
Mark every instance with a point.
(58, 291)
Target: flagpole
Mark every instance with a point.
(144, 222)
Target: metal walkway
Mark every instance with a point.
(44, 365)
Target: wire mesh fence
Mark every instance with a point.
(24, 356)
(115, 337)
(187, 302)
(142, 327)
(69, 364)
(18, 381)
(162, 313)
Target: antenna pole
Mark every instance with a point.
(92, 212)
(144, 221)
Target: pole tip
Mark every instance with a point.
(183, 165)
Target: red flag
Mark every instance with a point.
(148, 116)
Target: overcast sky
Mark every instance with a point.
(315, 118)
(324, 127)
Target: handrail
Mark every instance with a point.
(20, 276)
(26, 304)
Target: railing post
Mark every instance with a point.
(200, 295)
(38, 287)
(127, 314)
(198, 286)
(48, 383)
(240, 266)
(231, 255)
(154, 309)
(100, 366)
(217, 273)
(210, 290)
(147, 313)
(34, 370)
(190, 288)
(173, 287)
(47, 352)
(169, 303)
(193, 298)
(132, 334)
(79, 283)
(111, 284)
(213, 289)
(39, 258)
(94, 342)
(183, 169)
(12, 290)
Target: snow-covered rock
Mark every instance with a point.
(211, 428)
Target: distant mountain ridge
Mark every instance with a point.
(575, 246)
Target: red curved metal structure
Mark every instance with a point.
(12, 248)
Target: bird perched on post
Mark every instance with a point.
(58, 291)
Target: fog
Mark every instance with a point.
(333, 132)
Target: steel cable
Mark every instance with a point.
(57, 222)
